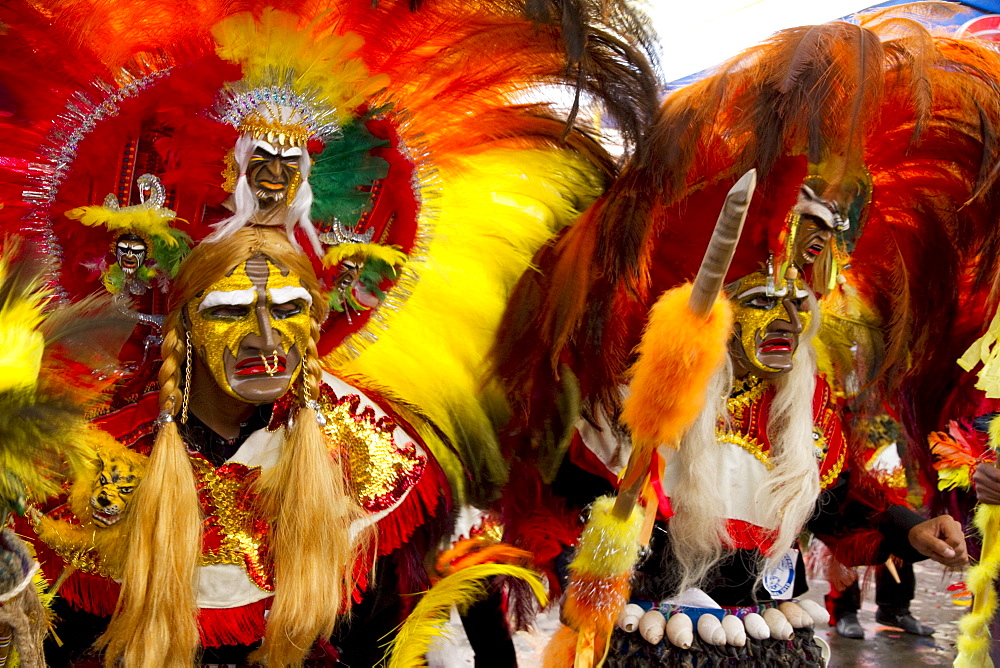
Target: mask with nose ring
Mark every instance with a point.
(251, 329)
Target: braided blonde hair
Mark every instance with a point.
(155, 620)
(305, 497)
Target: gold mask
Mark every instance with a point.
(757, 312)
(251, 328)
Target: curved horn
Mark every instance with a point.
(721, 248)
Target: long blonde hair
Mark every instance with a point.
(305, 497)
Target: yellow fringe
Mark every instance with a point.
(496, 209)
(152, 222)
(986, 351)
(460, 589)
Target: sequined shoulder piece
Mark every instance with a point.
(383, 463)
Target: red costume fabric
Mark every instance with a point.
(413, 493)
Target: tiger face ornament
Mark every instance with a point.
(93, 540)
(118, 473)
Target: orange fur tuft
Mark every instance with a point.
(679, 351)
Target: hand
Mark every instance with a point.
(942, 540)
(986, 481)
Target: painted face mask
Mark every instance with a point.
(130, 253)
(819, 219)
(769, 325)
(251, 329)
(274, 174)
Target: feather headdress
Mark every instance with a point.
(847, 106)
(431, 164)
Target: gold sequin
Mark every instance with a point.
(242, 531)
(381, 470)
(234, 530)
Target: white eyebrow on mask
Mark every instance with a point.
(288, 294)
(293, 152)
(760, 289)
(227, 298)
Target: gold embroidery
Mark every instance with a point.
(745, 393)
(85, 559)
(834, 471)
(748, 443)
(235, 530)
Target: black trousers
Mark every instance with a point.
(890, 596)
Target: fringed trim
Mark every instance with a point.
(90, 593)
(361, 568)
(98, 596)
(233, 626)
(427, 499)
(859, 548)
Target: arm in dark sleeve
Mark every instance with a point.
(860, 531)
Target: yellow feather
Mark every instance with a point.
(975, 641)
(495, 210)
(153, 222)
(21, 343)
(847, 330)
(388, 254)
(956, 478)
(994, 433)
(461, 589)
(21, 349)
(322, 62)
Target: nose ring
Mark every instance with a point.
(268, 368)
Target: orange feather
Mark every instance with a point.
(560, 652)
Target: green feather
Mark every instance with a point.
(341, 170)
(114, 279)
(168, 257)
(375, 272)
